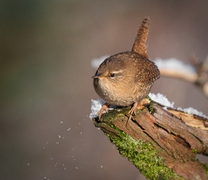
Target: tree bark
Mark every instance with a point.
(158, 142)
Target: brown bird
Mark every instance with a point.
(126, 78)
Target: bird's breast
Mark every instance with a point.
(119, 94)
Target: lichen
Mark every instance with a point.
(143, 156)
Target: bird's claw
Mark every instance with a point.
(100, 112)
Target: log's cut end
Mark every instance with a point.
(159, 144)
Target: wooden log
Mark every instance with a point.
(160, 144)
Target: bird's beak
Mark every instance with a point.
(96, 76)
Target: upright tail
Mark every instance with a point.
(140, 40)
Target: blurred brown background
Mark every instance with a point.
(46, 85)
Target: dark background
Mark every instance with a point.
(46, 48)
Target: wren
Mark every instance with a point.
(124, 79)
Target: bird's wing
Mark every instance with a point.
(148, 72)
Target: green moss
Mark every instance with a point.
(151, 109)
(142, 155)
(194, 151)
(205, 166)
(147, 97)
(112, 114)
(206, 169)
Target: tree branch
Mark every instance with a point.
(157, 142)
(199, 76)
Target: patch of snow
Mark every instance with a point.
(160, 98)
(191, 110)
(165, 108)
(97, 61)
(96, 105)
(174, 64)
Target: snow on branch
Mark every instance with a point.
(161, 99)
(190, 116)
(174, 68)
(196, 73)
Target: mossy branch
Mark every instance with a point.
(159, 144)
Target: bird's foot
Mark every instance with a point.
(104, 108)
(141, 105)
(132, 110)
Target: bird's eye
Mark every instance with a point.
(112, 75)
